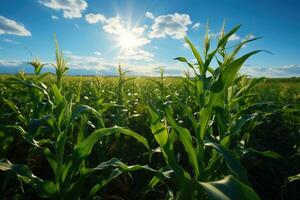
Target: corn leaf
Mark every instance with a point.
(228, 188)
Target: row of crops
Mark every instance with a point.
(209, 135)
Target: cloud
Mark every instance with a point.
(234, 37)
(196, 26)
(174, 25)
(97, 53)
(281, 71)
(71, 8)
(251, 36)
(11, 27)
(94, 18)
(186, 45)
(10, 63)
(151, 69)
(243, 40)
(54, 17)
(149, 15)
(113, 26)
(85, 62)
(136, 54)
(91, 64)
(67, 52)
(118, 29)
(213, 35)
(10, 41)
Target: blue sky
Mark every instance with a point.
(140, 35)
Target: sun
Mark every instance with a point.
(127, 40)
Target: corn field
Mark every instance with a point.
(212, 134)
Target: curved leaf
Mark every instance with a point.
(234, 165)
(44, 188)
(229, 188)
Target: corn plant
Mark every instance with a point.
(61, 65)
(215, 170)
(38, 65)
(67, 146)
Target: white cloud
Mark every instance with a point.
(281, 71)
(95, 18)
(97, 63)
(91, 63)
(186, 45)
(251, 36)
(139, 30)
(151, 68)
(136, 54)
(248, 38)
(10, 63)
(71, 8)
(113, 26)
(97, 53)
(85, 62)
(196, 26)
(243, 40)
(174, 25)
(234, 37)
(211, 34)
(11, 27)
(118, 29)
(10, 41)
(54, 17)
(67, 52)
(149, 15)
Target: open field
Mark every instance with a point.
(277, 129)
(213, 135)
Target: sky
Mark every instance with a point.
(141, 35)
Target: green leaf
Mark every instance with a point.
(83, 150)
(182, 59)
(24, 134)
(59, 98)
(237, 124)
(120, 168)
(229, 188)
(185, 138)
(216, 97)
(224, 39)
(294, 178)
(45, 189)
(51, 159)
(270, 154)
(161, 135)
(80, 109)
(196, 54)
(233, 164)
(230, 70)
